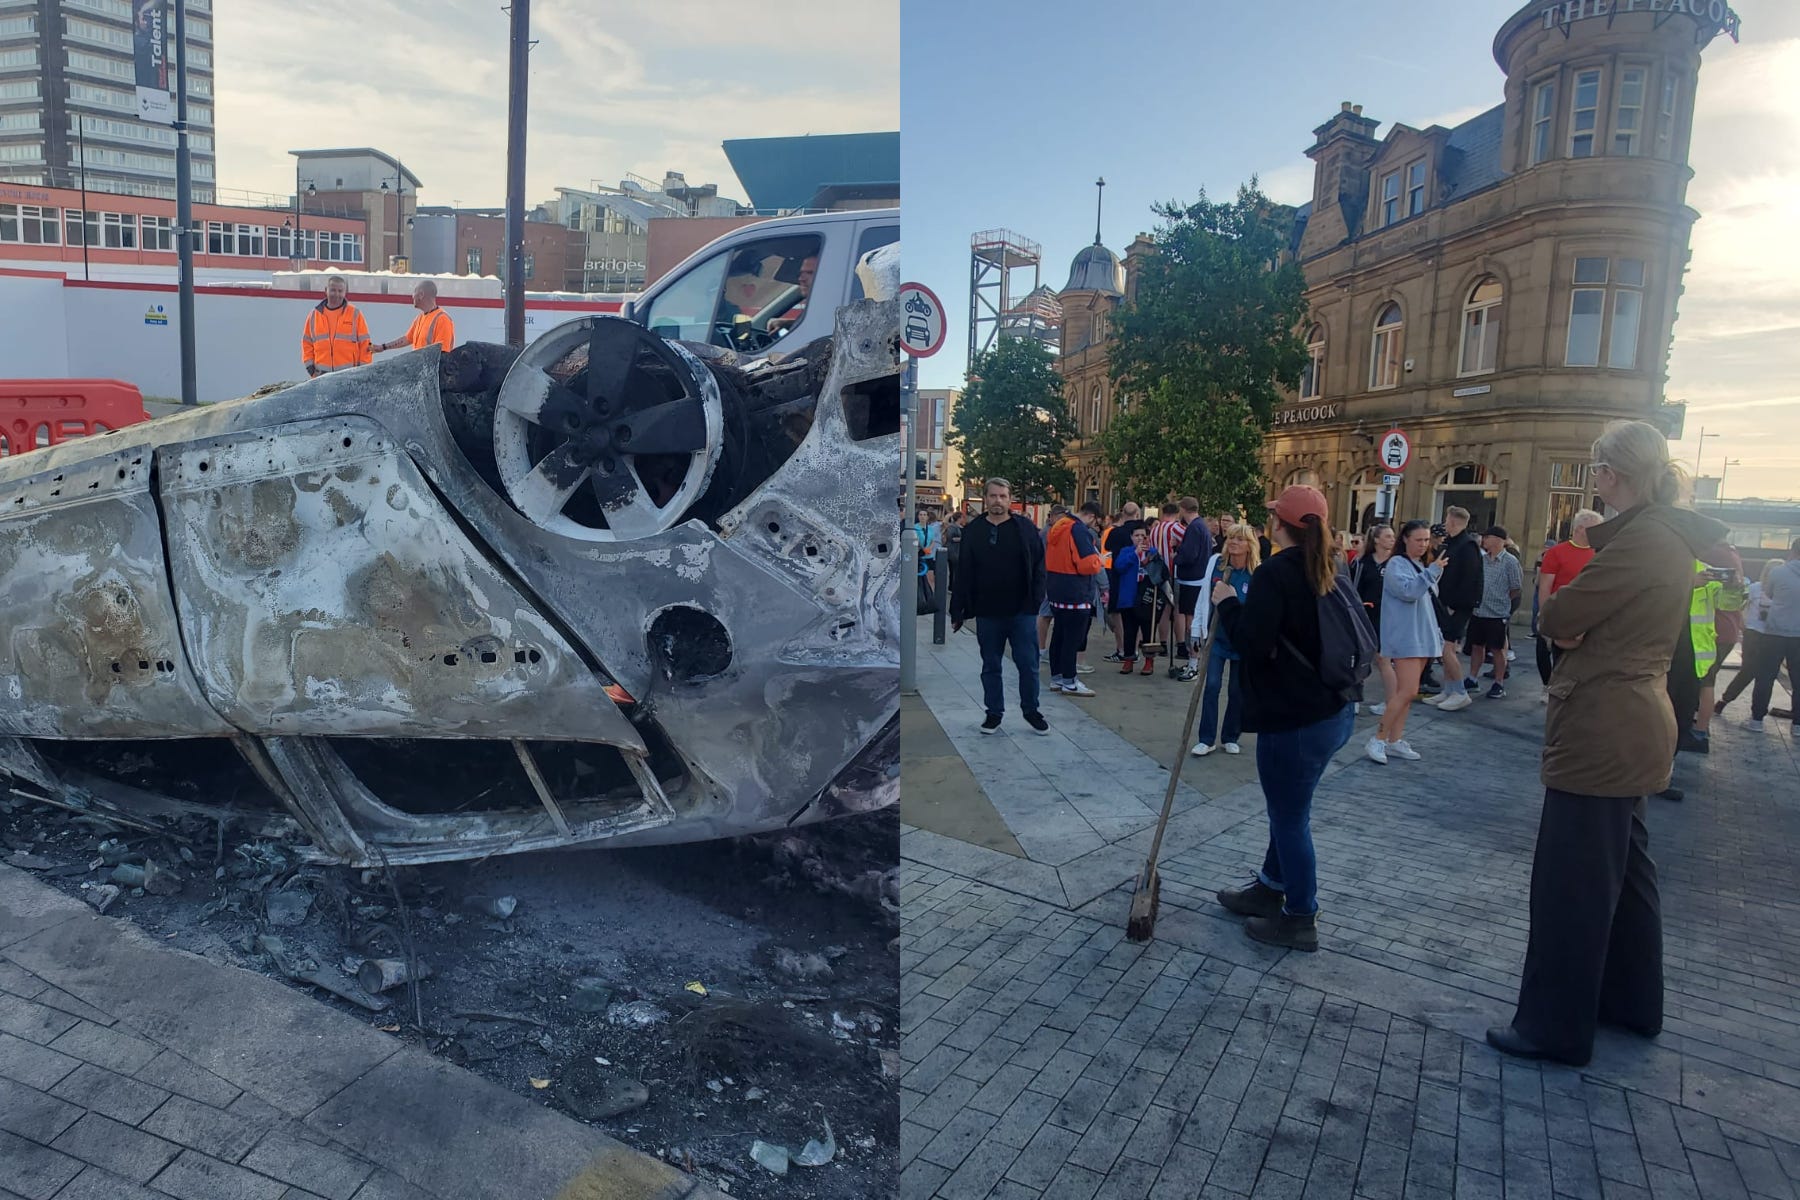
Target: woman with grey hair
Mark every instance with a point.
(1595, 951)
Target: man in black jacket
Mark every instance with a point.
(1459, 592)
(1191, 557)
(999, 581)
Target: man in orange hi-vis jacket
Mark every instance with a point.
(336, 336)
(431, 327)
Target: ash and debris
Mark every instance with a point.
(692, 1001)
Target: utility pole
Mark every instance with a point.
(184, 214)
(518, 79)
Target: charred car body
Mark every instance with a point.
(616, 588)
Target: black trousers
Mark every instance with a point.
(1546, 658)
(1595, 954)
(1067, 629)
(1684, 685)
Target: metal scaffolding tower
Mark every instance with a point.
(994, 255)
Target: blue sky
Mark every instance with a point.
(1011, 108)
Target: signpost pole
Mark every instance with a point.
(922, 332)
(909, 537)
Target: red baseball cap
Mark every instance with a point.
(1298, 501)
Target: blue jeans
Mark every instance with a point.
(993, 635)
(1290, 765)
(1234, 699)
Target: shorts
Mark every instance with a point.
(1487, 632)
(1189, 600)
(1454, 623)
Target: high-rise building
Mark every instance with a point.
(68, 102)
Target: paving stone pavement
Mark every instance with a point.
(133, 1071)
(1046, 1056)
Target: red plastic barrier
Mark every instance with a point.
(43, 412)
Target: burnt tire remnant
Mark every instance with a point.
(689, 644)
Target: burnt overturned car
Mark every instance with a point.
(614, 588)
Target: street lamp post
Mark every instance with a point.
(298, 257)
(1729, 463)
(1697, 453)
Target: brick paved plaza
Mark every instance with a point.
(132, 1071)
(1046, 1056)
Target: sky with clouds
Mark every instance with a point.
(617, 86)
(1009, 114)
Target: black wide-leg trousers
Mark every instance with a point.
(1595, 954)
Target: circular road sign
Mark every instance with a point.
(922, 325)
(1396, 451)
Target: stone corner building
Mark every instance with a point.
(1501, 290)
(1498, 291)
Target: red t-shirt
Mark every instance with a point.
(1563, 562)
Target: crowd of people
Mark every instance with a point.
(1632, 616)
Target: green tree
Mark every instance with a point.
(1205, 349)
(1012, 420)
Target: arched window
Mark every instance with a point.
(1312, 381)
(1094, 406)
(1101, 326)
(1481, 328)
(1305, 475)
(1384, 357)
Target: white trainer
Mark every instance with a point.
(1202, 749)
(1233, 748)
(1379, 710)
(1076, 688)
(1377, 751)
(1754, 724)
(1400, 749)
(1456, 703)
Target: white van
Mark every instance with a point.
(767, 284)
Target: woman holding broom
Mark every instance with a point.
(1299, 721)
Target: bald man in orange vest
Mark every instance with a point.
(431, 327)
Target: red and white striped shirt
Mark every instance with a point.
(1165, 538)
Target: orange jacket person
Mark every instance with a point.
(431, 327)
(336, 337)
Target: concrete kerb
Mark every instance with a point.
(448, 1133)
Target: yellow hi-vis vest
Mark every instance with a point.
(1702, 626)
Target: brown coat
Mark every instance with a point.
(1610, 729)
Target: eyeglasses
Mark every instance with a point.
(1599, 466)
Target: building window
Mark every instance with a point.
(159, 233)
(1469, 486)
(1303, 475)
(1390, 198)
(1415, 188)
(19, 58)
(1627, 315)
(250, 240)
(119, 230)
(1628, 126)
(1100, 327)
(530, 265)
(1665, 121)
(1568, 495)
(1543, 121)
(1384, 359)
(30, 225)
(77, 232)
(1585, 120)
(1312, 380)
(1481, 328)
(474, 261)
(216, 240)
(1588, 308)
